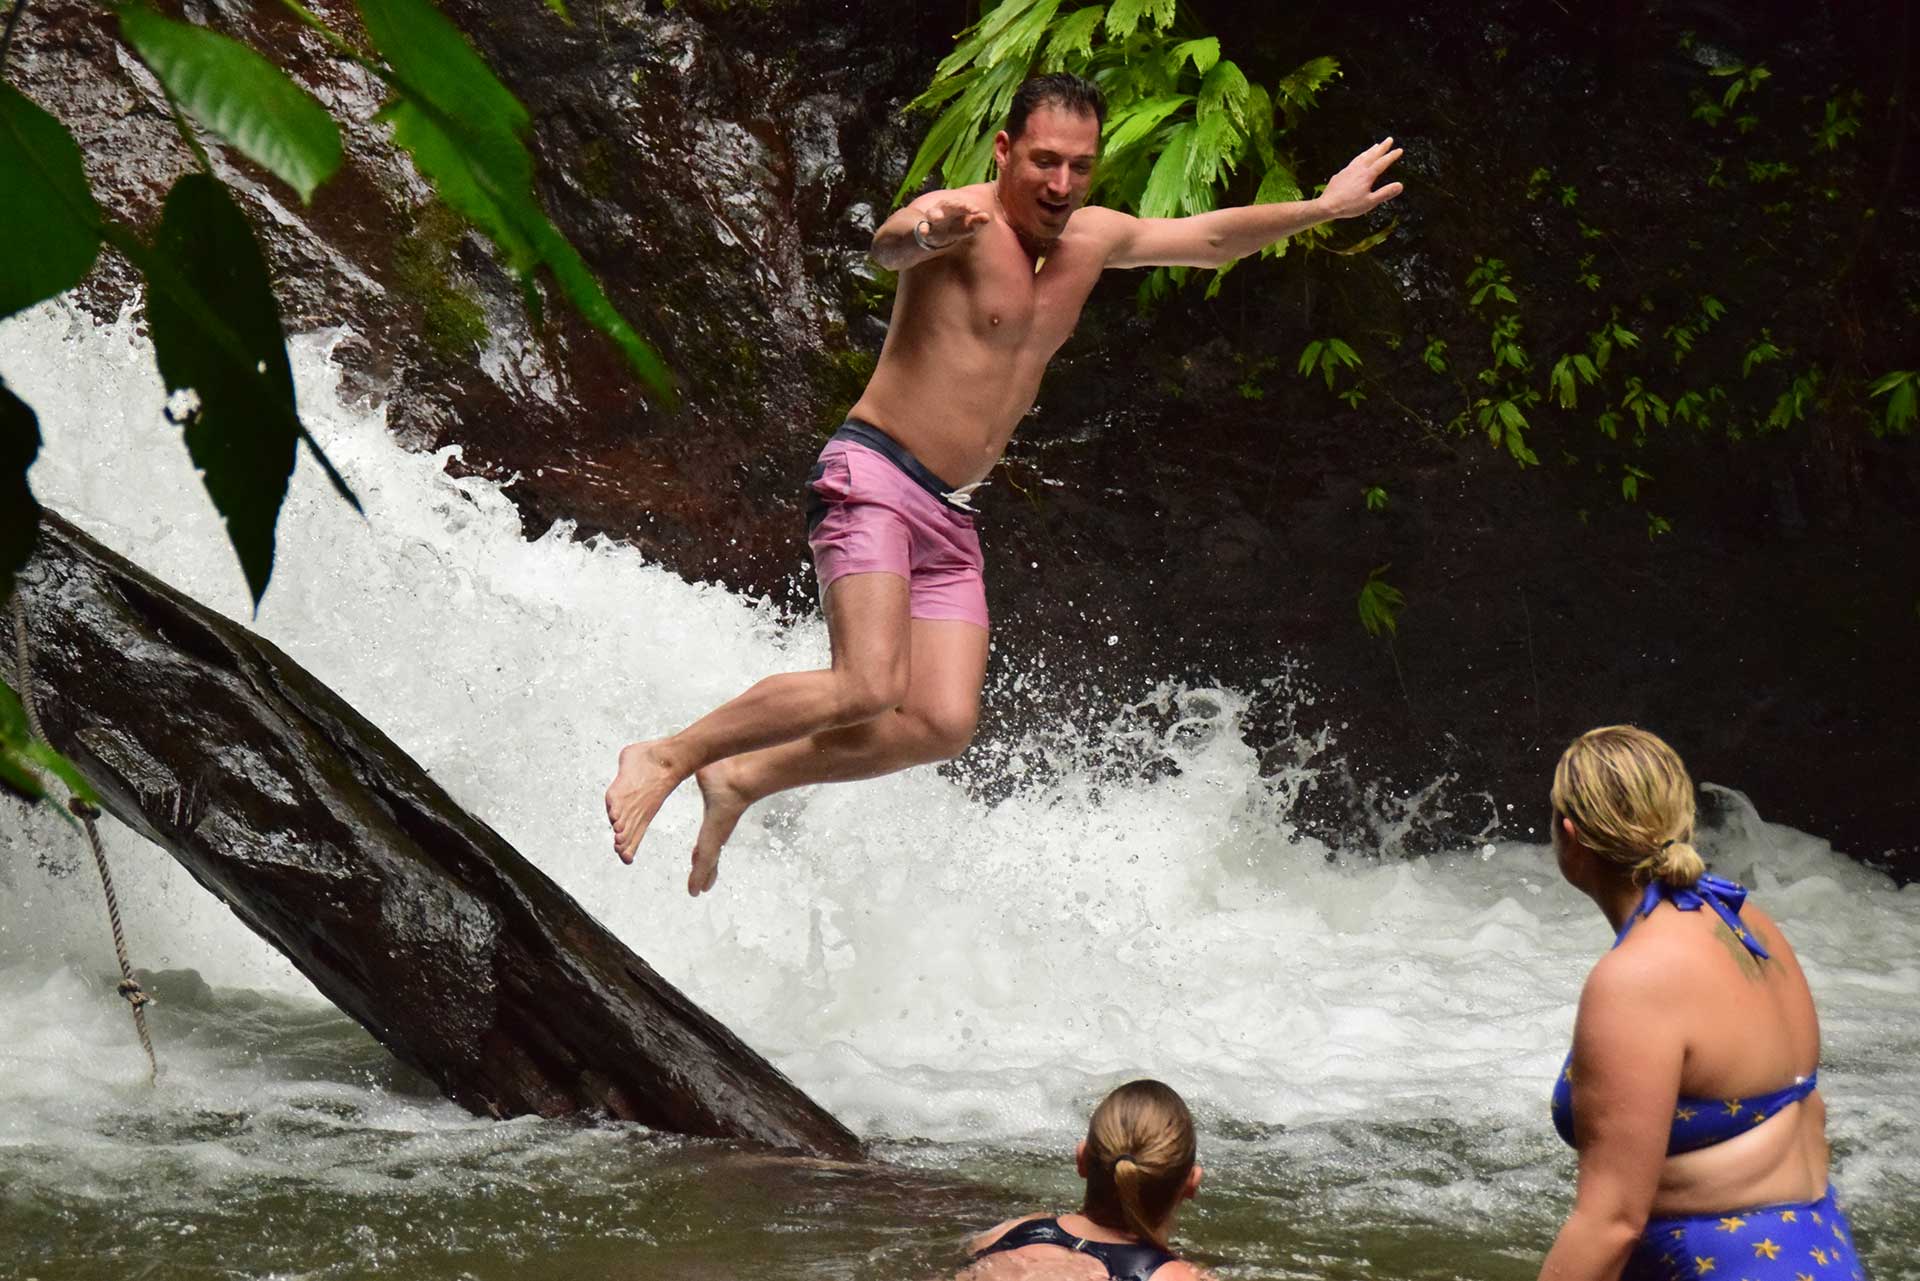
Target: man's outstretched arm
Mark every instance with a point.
(1218, 238)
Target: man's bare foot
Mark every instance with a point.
(644, 781)
(725, 804)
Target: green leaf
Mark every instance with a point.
(244, 428)
(1260, 125)
(1225, 89)
(1123, 17)
(1215, 153)
(1310, 357)
(1297, 90)
(451, 168)
(953, 124)
(1129, 126)
(24, 758)
(240, 96)
(17, 774)
(1167, 185)
(1380, 603)
(1276, 186)
(19, 513)
(1202, 53)
(49, 225)
(1021, 37)
(16, 777)
(560, 8)
(1072, 37)
(437, 64)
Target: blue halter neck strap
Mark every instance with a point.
(1723, 896)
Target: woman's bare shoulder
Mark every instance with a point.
(1181, 1270)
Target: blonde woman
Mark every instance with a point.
(1690, 1092)
(1138, 1161)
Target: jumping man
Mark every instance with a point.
(992, 280)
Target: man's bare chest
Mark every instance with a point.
(1014, 305)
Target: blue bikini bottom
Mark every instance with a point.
(1809, 1240)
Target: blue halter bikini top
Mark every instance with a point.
(1697, 1123)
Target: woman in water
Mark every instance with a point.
(1138, 1161)
(1690, 1091)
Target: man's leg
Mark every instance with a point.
(934, 722)
(868, 626)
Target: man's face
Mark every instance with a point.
(1045, 173)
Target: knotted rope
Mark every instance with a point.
(136, 996)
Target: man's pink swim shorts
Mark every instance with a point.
(872, 507)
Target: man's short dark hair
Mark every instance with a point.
(1060, 89)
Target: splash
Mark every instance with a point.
(930, 959)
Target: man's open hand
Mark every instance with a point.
(951, 218)
(1350, 192)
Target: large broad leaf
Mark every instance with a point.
(1217, 146)
(240, 96)
(19, 513)
(1167, 186)
(49, 226)
(1225, 88)
(438, 64)
(233, 391)
(459, 173)
(463, 129)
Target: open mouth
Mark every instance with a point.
(1054, 209)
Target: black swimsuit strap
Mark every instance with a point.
(1123, 1262)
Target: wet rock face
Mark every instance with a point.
(721, 165)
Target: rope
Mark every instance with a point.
(136, 996)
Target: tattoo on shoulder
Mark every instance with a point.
(1749, 963)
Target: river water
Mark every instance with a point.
(1367, 1037)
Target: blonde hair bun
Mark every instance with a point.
(1680, 865)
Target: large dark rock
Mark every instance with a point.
(332, 844)
(1178, 489)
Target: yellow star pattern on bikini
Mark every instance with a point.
(1732, 1223)
(1818, 1219)
(1803, 1276)
(1733, 1107)
(1789, 1216)
(1766, 1247)
(1758, 1117)
(1819, 1256)
(1684, 1114)
(1702, 1266)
